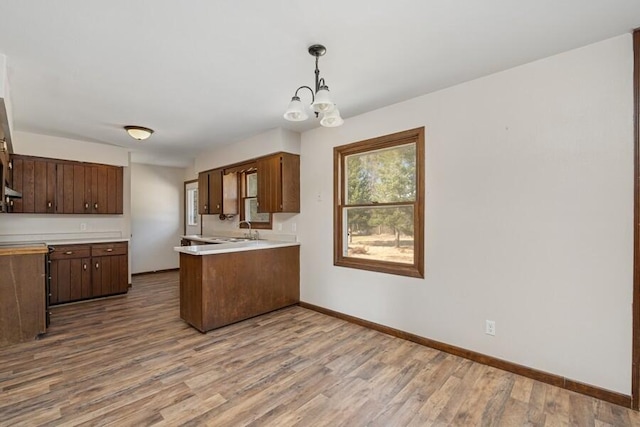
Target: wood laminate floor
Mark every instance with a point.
(132, 361)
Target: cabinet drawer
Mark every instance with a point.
(102, 249)
(70, 251)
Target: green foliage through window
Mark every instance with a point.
(379, 205)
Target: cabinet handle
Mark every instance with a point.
(205, 208)
(68, 252)
(49, 205)
(217, 206)
(109, 250)
(97, 265)
(84, 266)
(95, 206)
(11, 203)
(86, 206)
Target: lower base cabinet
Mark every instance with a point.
(86, 271)
(22, 294)
(217, 290)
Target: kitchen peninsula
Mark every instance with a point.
(223, 283)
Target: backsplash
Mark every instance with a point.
(283, 228)
(38, 228)
(51, 237)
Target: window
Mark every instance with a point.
(250, 201)
(247, 182)
(192, 203)
(379, 204)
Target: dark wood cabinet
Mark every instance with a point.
(35, 178)
(220, 289)
(70, 273)
(86, 271)
(66, 187)
(22, 181)
(210, 192)
(44, 186)
(279, 183)
(110, 268)
(22, 293)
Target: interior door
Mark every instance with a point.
(192, 220)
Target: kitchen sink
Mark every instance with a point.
(228, 239)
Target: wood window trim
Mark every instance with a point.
(410, 136)
(243, 169)
(184, 204)
(635, 351)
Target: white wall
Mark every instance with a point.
(32, 144)
(156, 216)
(272, 141)
(5, 97)
(529, 217)
(47, 227)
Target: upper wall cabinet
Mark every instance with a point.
(279, 183)
(61, 186)
(210, 192)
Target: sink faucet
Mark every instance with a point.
(251, 236)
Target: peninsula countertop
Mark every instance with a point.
(213, 245)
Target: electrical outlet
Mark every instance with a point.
(490, 327)
(294, 227)
(83, 226)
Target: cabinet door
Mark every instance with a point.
(90, 188)
(23, 181)
(70, 273)
(66, 280)
(119, 274)
(101, 196)
(279, 183)
(110, 262)
(203, 193)
(44, 186)
(65, 188)
(290, 183)
(110, 275)
(112, 190)
(269, 184)
(85, 287)
(215, 192)
(230, 193)
(96, 276)
(119, 184)
(80, 202)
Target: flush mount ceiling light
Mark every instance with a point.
(138, 132)
(321, 102)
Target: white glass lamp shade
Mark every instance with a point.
(322, 102)
(295, 111)
(331, 119)
(138, 132)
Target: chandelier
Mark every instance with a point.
(321, 102)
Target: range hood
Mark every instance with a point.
(11, 193)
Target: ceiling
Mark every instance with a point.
(204, 73)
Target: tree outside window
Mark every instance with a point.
(379, 204)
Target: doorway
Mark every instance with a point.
(192, 220)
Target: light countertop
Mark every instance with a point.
(84, 241)
(221, 248)
(22, 248)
